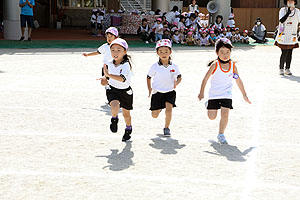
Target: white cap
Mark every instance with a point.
(120, 42)
(113, 31)
(163, 43)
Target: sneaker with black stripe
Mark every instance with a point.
(22, 39)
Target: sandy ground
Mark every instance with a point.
(55, 141)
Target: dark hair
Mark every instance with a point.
(221, 44)
(219, 16)
(170, 59)
(144, 20)
(193, 15)
(285, 2)
(175, 8)
(157, 12)
(126, 58)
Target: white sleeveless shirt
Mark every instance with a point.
(221, 82)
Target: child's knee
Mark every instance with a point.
(155, 114)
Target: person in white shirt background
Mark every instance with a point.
(119, 93)
(158, 29)
(193, 6)
(166, 77)
(287, 39)
(222, 71)
(111, 34)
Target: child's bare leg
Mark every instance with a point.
(212, 114)
(168, 119)
(115, 107)
(127, 117)
(155, 113)
(224, 119)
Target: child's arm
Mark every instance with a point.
(240, 84)
(115, 77)
(179, 78)
(149, 85)
(205, 79)
(91, 54)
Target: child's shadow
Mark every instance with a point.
(166, 144)
(104, 108)
(232, 153)
(292, 78)
(120, 161)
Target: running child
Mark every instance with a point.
(119, 93)
(111, 34)
(166, 77)
(222, 71)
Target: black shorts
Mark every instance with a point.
(99, 26)
(158, 100)
(93, 25)
(124, 96)
(28, 19)
(215, 104)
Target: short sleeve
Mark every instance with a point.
(102, 49)
(152, 71)
(21, 2)
(33, 2)
(282, 13)
(298, 15)
(263, 28)
(177, 70)
(125, 70)
(254, 28)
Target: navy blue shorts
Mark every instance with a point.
(28, 19)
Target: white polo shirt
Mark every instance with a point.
(105, 50)
(163, 77)
(122, 69)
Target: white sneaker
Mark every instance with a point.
(222, 139)
(147, 42)
(281, 72)
(288, 72)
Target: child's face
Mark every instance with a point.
(176, 32)
(164, 53)
(219, 20)
(237, 32)
(117, 52)
(110, 37)
(228, 29)
(224, 53)
(244, 34)
(166, 26)
(212, 35)
(158, 22)
(204, 34)
(145, 23)
(233, 32)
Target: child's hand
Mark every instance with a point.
(150, 91)
(246, 99)
(105, 71)
(200, 96)
(175, 84)
(85, 55)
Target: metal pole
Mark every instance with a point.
(12, 27)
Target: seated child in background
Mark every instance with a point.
(204, 39)
(245, 37)
(237, 35)
(190, 40)
(223, 33)
(166, 34)
(212, 38)
(177, 38)
(228, 33)
(233, 38)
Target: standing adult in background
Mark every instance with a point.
(26, 16)
(193, 7)
(286, 39)
(259, 32)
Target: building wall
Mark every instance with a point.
(254, 3)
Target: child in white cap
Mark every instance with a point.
(245, 38)
(119, 93)
(222, 71)
(166, 77)
(111, 34)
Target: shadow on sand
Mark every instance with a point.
(167, 145)
(292, 78)
(232, 153)
(120, 161)
(104, 108)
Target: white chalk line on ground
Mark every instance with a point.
(166, 179)
(138, 136)
(251, 180)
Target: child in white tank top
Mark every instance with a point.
(222, 72)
